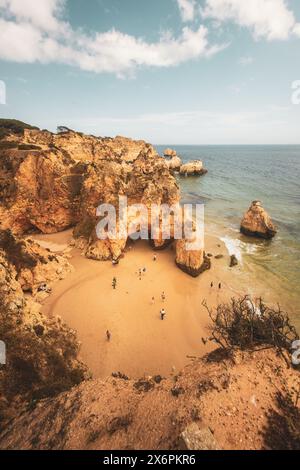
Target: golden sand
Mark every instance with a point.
(141, 343)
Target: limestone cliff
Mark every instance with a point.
(41, 352)
(36, 267)
(50, 182)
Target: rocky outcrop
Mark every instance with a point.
(42, 352)
(257, 223)
(61, 184)
(50, 182)
(233, 261)
(36, 267)
(194, 168)
(170, 153)
(173, 161)
(174, 164)
(196, 437)
(192, 259)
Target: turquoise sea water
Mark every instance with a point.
(238, 175)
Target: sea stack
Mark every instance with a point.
(193, 168)
(174, 164)
(173, 161)
(257, 223)
(192, 260)
(170, 153)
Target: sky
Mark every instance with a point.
(166, 71)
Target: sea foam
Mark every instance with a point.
(237, 247)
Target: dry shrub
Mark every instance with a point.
(243, 324)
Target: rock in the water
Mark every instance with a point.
(257, 223)
(233, 261)
(195, 438)
(194, 168)
(174, 164)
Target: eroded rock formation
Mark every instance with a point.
(174, 164)
(257, 223)
(173, 161)
(193, 168)
(190, 254)
(193, 262)
(50, 182)
(36, 267)
(41, 352)
(170, 153)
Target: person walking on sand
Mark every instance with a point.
(211, 284)
(144, 270)
(108, 335)
(114, 283)
(154, 258)
(162, 314)
(220, 285)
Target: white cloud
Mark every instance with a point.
(246, 60)
(187, 9)
(43, 14)
(270, 19)
(297, 29)
(32, 31)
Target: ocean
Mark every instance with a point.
(238, 175)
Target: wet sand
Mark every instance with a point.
(141, 343)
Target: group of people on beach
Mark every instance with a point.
(212, 285)
(162, 311)
(141, 272)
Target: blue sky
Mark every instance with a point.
(167, 71)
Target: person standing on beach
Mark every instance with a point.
(220, 285)
(114, 283)
(212, 284)
(154, 258)
(108, 335)
(162, 314)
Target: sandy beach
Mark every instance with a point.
(141, 343)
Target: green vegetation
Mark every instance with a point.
(13, 125)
